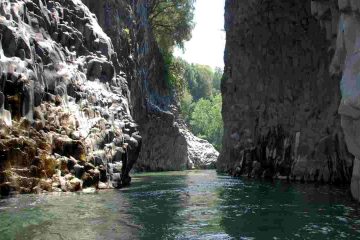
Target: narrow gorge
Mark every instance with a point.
(105, 106)
(84, 95)
(83, 98)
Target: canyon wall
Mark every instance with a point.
(167, 144)
(64, 102)
(346, 61)
(83, 96)
(281, 91)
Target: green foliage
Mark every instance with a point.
(177, 71)
(206, 120)
(217, 80)
(197, 78)
(198, 89)
(202, 81)
(187, 105)
(169, 76)
(175, 74)
(193, 84)
(171, 21)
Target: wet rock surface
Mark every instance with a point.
(283, 62)
(64, 107)
(83, 97)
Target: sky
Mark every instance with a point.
(208, 37)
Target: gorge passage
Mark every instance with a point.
(84, 97)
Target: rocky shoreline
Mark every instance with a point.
(75, 110)
(65, 118)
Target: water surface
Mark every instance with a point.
(186, 205)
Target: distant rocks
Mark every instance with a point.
(201, 154)
(174, 147)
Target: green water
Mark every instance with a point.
(186, 205)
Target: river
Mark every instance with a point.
(186, 205)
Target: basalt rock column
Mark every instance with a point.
(64, 112)
(166, 144)
(279, 100)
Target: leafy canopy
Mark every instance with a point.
(206, 120)
(200, 80)
(198, 90)
(171, 21)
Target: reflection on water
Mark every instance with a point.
(179, 205)
(281, 211)
(186, 205)
(66, 216)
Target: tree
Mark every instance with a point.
(187, 106)
(206, 120)
(177, 68)
(217, 79)
(171, 21)
(203, 78)
(194, 85)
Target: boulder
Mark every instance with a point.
(94, 69)
(103, 174)
(66, 146)
(79, 171)
(74, 185)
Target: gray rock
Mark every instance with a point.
(288, 120)
(98, 161)
(94, 69)
(78, 170)
(2, 100)
(133, 143)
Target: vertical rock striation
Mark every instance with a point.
(280, 101)
(346, 61)
(166, 144)
(65, 121)
(79, 81)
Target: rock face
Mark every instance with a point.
(283, 62)
(165, 145)
(346, 61)
(65, 121)
(83, 96)
(201, 153)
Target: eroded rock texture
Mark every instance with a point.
(64, 101)
(165, 145)
(281, 101)
(79, 81)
